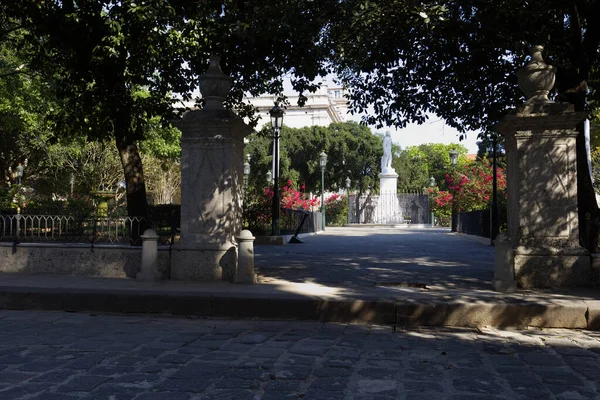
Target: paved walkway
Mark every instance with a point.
(367, 256)
(65, 356)
(400, 277)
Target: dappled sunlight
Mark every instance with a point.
(307, 288)
(369, 256)
(425, 262)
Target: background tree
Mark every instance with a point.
(24, 102)
(352, 152)
(101, 53)
(416, 164)
(161, 154)
(90, 165)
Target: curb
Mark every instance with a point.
(516, 314)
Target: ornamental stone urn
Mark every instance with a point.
(214, 84)
(536, 79)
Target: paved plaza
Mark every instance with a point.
(94, 355)
(63, 356)
(401, 276)
(365, 256)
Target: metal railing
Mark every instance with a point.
(474, 223)
(389, 208)
(20, 228)
(291, 221)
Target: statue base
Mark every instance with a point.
(388, 181)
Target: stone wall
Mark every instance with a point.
(115, 261)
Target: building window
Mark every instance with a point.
(337, 94)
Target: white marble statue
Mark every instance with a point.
(386, 160)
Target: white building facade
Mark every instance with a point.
(327, 105)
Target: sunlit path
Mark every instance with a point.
(366, 256)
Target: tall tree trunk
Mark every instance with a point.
(134, 175)
(137, 205)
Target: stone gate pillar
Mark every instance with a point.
(543, 225)
(212, 145)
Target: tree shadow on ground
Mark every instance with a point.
(368, 257)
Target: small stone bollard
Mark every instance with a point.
(504, 269)
(149, 270)
(245, 271)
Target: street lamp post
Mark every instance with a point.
(269, 177)
(431, 216)
(20, 169)
(453, 161)
(348, 182)
(323, 163)
(246, 177)
(276, 123)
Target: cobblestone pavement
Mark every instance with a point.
(54, 355)
(365, 256)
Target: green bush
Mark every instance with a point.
(336, 210)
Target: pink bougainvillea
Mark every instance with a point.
(469, 187)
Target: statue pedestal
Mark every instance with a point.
(388, 181)
(543, 225)
(388, 207)
(212, 145)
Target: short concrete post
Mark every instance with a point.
(245, 271)
(149, 270)
(504, 270)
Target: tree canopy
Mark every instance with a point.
(458, 58)
(114, 65)
(415, 165)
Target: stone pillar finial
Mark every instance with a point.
(214, 85)
(536, 79)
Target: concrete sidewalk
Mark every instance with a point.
(401, 277)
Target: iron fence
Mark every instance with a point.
(389, 208)
(474, 223)
(299, 221)
(19, 228)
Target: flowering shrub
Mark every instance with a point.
(293, 199)
(469, 187)
(336, 210)
(440, 203)
(257, 214)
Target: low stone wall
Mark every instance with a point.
(78, 259)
